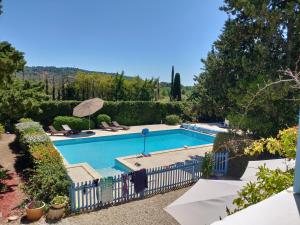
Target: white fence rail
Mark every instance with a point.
(89, 195)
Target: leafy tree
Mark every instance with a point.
(11, 61)
(20, 99)
(177, 87)
(258, 40)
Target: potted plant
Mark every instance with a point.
(57, 209)
(35, 210)
(59, 202)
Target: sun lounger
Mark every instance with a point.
(71, 131)
(53, 131)
(117, 125)
(105, 126)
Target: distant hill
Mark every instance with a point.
(38, 72)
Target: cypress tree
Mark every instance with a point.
(53, 88)
(177, 87)
(63, 94)
(46, 85)
(172, 85)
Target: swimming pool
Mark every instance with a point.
(100, 152)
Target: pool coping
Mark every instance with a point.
(131, 167)
(87, 168)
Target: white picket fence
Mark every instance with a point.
(86, 196)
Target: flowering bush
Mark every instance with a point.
(48, 177)
(28, 127)
(35, 138)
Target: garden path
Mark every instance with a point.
(10, 160)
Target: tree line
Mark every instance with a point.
(259, 40)
(90, 85)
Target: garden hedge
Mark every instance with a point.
(48, 176)
(125, 112)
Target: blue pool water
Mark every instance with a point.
(100, 152)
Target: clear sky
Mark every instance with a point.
(141, 37)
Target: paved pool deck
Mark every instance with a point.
(133, 129)
(163, 158)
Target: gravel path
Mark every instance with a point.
(141, 212)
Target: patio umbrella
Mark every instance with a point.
(205, 202)
(282, 208)
(87, 108)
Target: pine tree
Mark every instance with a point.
(177, 88)
(172, 84)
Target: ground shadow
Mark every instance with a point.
(23, 159)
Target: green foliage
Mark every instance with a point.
(74, 123)
(208, 165)
(48, 177)
(172, 120)
(269, 182)
(23, 120)
(177, 88)
(235, 145)
(284, 144)
(2, 130)
(59, 200)
(117, 87)
(125, 112)
(3, 176)
(258, 40)
(103, 118)
(51, 109)
(138, 113)
(20, 99)
(47, 181)
(45, 152)
(11, 61)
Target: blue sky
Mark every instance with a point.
(140, 37)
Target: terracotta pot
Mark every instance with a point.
(58, 206)
(33, 214)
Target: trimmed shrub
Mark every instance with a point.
(75, 123)
(172, 119)
(235, 145)
(103, 118)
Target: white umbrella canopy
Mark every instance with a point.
(280, 209)
(205, 202)
(88, 107)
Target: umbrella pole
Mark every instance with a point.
(89, 122)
